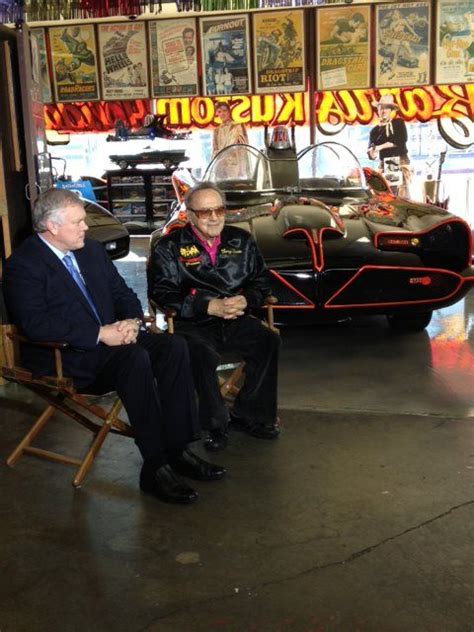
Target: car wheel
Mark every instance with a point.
(123, 164)
(409, 321)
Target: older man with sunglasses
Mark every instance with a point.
(214, 276)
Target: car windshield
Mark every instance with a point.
(252, 180)
(329, 166)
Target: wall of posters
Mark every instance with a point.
(74, 61)
(123, 60)
(173, 57)
(344, 48)
(39, 64)
(225, 52)
(403, 44)
(455, 41)
(279, 51)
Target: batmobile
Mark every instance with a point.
(170, 158)
(154, 127)
(336, 240)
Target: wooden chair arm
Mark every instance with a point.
(168, 313)
(57, 347)
(35, 343)
(269, 302)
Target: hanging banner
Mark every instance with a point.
(123, 61)
(343, 53)
(173, 57)
(39, 64)
(403, 44)
(455, 50)
(279, 51)
(74, 61)
(225, 51)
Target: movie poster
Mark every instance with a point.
(39, 63)
(279, 51)
(344, 48)
(455, 42)
(123, 60)
(74, 62)
(403, 44)
(173, 54)
(225, 51)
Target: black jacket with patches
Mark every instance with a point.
(181, 275)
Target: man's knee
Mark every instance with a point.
(203, 355)
(267, 338)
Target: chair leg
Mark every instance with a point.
(29, 437)
(229, 387)
(97, 444)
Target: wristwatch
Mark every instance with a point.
(140, 324)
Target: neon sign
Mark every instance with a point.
(333, 109)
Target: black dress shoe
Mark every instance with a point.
(165, 484)
(192, 466)
(255, 428)
(217, 440)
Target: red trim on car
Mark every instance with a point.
(418, 271)
(309, 305)
(311, 243)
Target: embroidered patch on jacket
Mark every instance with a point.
(194, 261)
(188, 251)
(229, 252)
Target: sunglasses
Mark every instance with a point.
(205, 213)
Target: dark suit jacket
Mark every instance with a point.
(45, 303)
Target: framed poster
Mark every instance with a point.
(455, 42)
(279, 51)
(225, 53)
(403, 44)
(39, 63)
(74, 62)
(343, 53)
(123, 60)
(173, 58)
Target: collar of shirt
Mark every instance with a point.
(210, 249)
(59, 253)
(388, 128)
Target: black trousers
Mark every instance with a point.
(153, 379)
(252, 341)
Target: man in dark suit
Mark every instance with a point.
(61, 286)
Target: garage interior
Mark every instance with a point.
(358, 519)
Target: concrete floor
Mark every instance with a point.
(359, 519)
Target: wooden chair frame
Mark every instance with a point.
(230, 385)
(59, 393)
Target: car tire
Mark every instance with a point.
(123, 164)
(409, 321)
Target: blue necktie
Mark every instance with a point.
(67, 260)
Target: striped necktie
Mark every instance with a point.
(68, 262)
